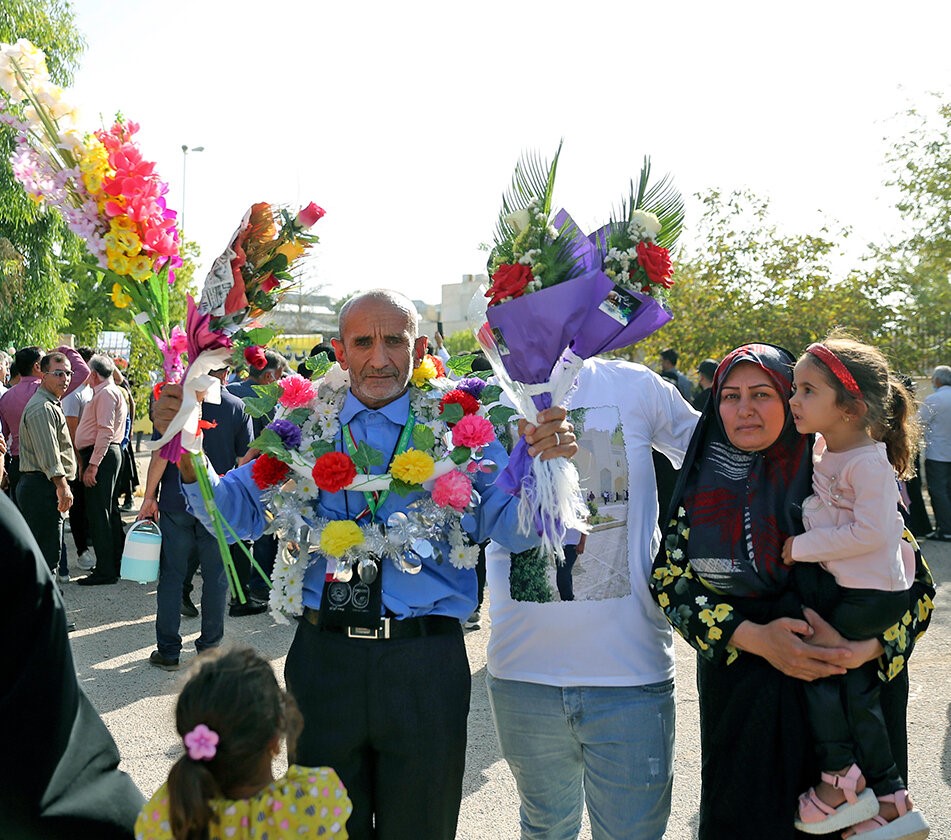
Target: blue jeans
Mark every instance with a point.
(611, 748)
(939, 488)
(184, 537)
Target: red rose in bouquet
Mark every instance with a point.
(268, 471)
(255, 357)
(509, 281)
(334, 471)
(656, 263)
(468, 403)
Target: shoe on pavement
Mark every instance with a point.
(163, 662)
(939, 536)
(70, 626)
(97, 580)
(251, 607)
(189, 610)
(62, 578)
(126, 505)
(473, 622)
(86, 561)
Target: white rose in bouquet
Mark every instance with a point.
(519, 220)
(647, 222)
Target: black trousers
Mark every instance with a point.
(845, 712)
(77, 516)
(13, 476)
(563, 578)
(36, 498)
(102, 512)
(390, 718)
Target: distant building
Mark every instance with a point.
(456, 298)
(303, 312)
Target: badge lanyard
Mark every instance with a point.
(376, 499)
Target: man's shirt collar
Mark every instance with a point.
(395, 411)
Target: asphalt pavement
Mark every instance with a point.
(115, 635)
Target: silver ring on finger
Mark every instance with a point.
(557, 439)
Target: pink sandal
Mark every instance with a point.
(816, 817)
(910, 824)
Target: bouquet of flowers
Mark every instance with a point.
(246, 280)
(558, 297)
(108, 193)
(439, 452)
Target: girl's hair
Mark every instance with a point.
(890, 412)
(235, 694)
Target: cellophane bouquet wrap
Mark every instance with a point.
(558, 297)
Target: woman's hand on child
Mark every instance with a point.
(781, 644)
(826, 636)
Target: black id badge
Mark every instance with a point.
(351, 603)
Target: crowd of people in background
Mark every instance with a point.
(67, 417)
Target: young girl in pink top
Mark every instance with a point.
(854, 572)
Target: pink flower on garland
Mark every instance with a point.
(473, 431)
(297, 391)
(452, 489)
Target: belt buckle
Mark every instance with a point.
(369, 633)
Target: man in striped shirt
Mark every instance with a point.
(47, 460)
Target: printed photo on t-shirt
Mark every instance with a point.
(596, 564)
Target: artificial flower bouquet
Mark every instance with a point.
(558, 297)
(108, 193)
(441, 450)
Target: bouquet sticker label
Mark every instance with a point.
(500, 341)
(620, 305)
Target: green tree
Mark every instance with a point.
(34, 244)
(749, 281)
(919, 261)
(461, 342)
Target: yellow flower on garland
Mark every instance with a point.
(140, 268)
(425, 371)
(119, 298)
(339, 537)
(412, 466)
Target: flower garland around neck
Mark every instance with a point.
(305, 452)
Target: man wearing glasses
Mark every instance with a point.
(47, 460)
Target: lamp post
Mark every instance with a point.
(185, 151)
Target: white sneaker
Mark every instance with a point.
(86, 561)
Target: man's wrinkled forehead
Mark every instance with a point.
(375, 318)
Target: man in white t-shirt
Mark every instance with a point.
(582, 691)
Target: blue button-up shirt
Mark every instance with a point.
(439, 588)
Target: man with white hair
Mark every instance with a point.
(935, 417)
(98, 443)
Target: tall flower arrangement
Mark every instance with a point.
(557, 297)
(108, 193)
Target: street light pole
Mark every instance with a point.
(185, 151)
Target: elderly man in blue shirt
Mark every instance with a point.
(387, 709)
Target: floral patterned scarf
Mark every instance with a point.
(737, 507)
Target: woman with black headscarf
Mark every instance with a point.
(721, 582)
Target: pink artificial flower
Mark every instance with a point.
(297, 391)
(309, 216)
(202, 743)
(472, 431)
(452, 489)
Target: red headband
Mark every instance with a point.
(839, 370)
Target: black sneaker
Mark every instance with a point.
(189, 610)
(165, 663)
(473, 622)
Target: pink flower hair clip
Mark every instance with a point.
(202, 743)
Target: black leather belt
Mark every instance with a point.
(391, 628)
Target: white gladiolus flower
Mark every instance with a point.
(519, 220)
(641, 220)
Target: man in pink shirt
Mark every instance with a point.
(98, 437)
(26, 364)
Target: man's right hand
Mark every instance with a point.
(166, 407)
(64, 498)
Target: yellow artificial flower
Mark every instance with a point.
(140, 268)
(120, 298)
(129, 242)
(111, 241)
(412, 466)
(924, 606)
(663, 600)
(714, 634)
(119, 263)
(891, 633)
(425, 371)
(718, 613)
(733, 655)
(291, 250)
(339, 537)
(701, 643)
(118, 223)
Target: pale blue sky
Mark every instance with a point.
(404, 120)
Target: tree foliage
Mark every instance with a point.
(34, 244)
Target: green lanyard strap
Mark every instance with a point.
(374, 499)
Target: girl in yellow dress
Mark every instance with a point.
(232, 715)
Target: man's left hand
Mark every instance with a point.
(552, 436)
(89, 475)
